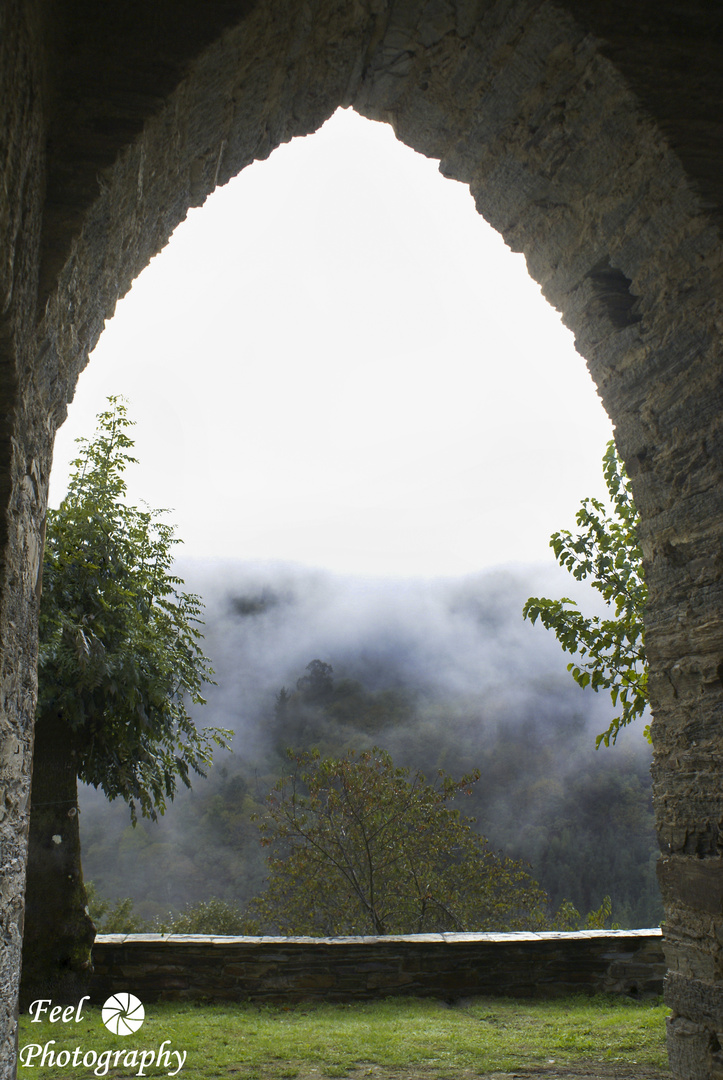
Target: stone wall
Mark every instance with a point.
(345, 969)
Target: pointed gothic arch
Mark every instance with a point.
(566, 121)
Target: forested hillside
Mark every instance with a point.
(443, 675)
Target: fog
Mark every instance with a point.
(456, 640)
(487, 690)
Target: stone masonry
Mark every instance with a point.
(447, 966)
(590, 134)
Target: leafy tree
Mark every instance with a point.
(212, 916)
(318, 683)
(359, 846)
(120, 665)
(610, 651)
(113, 918)
(596, 919)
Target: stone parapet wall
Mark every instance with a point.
(173, 967)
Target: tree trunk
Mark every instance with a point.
(58, 933)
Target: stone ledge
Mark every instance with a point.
(654, 933)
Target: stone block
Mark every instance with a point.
(695, 882)
(695, 1000)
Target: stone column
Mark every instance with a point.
(25, 442)
(523, 105)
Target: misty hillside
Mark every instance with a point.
(443, 674)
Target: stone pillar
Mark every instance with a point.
(686, 654)
(24, 465)
(524, 106)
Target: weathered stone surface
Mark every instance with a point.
(442, 965)
(701, 1002)
(589, 132)
(692, 1049)
(25, 446)
(697, 883)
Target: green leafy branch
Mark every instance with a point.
(609, 652)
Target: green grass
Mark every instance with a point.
(402, 1035)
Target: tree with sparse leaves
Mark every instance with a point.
(609, 652)
(120, 666)
(359, 846)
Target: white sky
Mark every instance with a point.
(336, 362)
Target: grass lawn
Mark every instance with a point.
(400, 1037)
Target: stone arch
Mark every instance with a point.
(544, 119)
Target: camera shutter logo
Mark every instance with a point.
(123, 1014)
